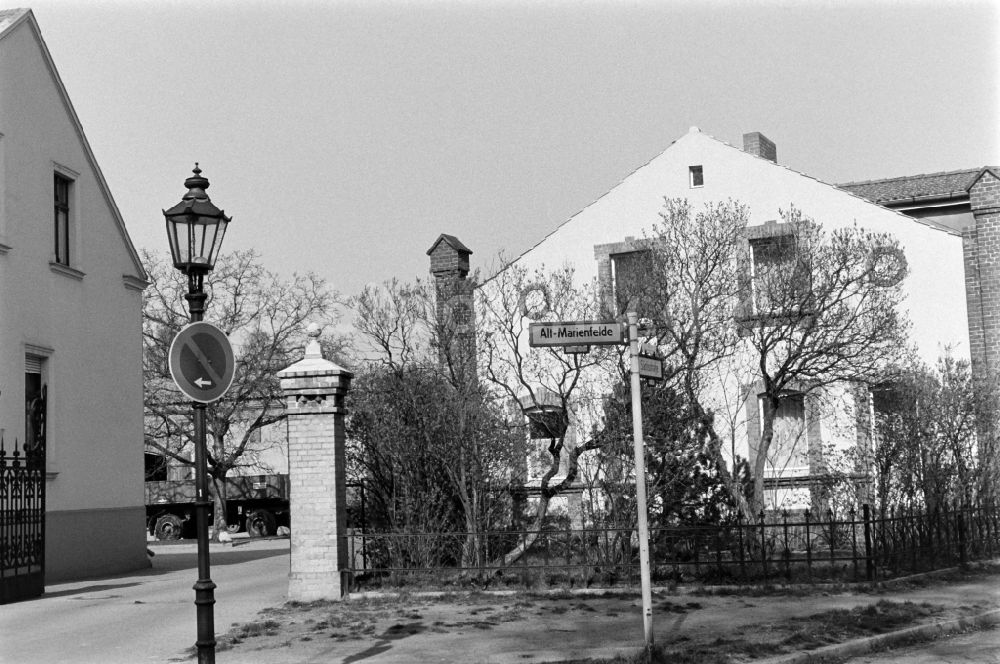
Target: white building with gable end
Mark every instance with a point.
(703, 170)
(70, 326)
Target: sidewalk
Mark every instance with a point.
(511, 627)
(145, 616)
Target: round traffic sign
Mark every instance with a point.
(202, 362)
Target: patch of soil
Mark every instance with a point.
(705, 628)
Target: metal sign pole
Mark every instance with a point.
(640, 481)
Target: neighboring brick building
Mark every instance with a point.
(967, 202)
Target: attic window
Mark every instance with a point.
(62, 218)
(696, 175)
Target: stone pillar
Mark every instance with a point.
(315, 389)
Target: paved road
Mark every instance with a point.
(982, 647)
(143, 617)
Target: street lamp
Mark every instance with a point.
(195, 228)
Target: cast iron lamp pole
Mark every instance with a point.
(195, 228)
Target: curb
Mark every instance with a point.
(883, 641)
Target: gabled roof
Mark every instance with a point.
(913, 188)
(11, 19)
(452, 241)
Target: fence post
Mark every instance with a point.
(809, 559)
(787, 554)
(763, 545)
(853, 513)
(869, 554)
(833, 538)
(739, 529)
(963, 557)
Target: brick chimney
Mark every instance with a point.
(758, 144)
(455, 306)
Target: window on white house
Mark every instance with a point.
(789, 452)
(630, 274)
(780, 281)
(696, 176)
(62, 186)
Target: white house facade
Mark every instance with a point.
(71, 288)
(704, 170)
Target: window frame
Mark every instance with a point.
(781, 235)
(62, 227)
(696, 176)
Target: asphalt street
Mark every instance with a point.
(148, 616)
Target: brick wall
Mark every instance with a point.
(454, 298)
(981, 245)
(318, 479)
(758, 144)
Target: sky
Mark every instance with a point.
(344, 137)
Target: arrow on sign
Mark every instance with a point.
(202, 383)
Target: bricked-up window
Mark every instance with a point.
(62, 187)
(790, 446)
(630, 274)
(779, 276)
(696, 175)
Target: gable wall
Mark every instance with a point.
(86, 321)
(936, 282)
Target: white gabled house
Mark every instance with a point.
(71, 288)
(599, 240)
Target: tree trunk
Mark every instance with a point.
(760, 462)
(218, 487)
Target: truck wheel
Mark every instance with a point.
(261, 523)
(168, 527)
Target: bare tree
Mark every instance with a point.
(265, 318)
(691, 293)
(819, 309)
(927, 438)
(559, 393)
(434, 448)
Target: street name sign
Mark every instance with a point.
(202, 362)
(650, 367)
(576, 333)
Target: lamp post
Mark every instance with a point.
(195, 228)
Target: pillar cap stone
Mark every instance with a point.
(314, 364)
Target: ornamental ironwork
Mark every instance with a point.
(22, 508)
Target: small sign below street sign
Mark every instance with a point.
(650, 367)
(576, 350)
(202, 362)
(576, 333)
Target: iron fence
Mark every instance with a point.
(776, 548)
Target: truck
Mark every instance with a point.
(255, 504)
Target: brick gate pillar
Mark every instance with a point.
(314, 389)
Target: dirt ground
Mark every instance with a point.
(502, 628)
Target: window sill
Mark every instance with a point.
(66, 271)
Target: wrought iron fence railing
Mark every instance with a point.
(778, 548)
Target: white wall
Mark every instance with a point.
(87, 320)
(935, 288)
